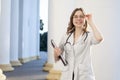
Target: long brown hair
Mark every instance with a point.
(71, 27)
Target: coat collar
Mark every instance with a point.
(71, 38)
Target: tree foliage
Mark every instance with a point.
(43, 41)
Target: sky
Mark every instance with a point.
(44, 14)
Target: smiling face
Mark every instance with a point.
(78, 19)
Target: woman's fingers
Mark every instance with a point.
(88, 16)
(57, 51)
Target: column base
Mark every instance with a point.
(25, 60)
(15, 63)
(33, 58)
(54, 75)
(6, 67)
(38, 57)
(2, 76)
(47, 67)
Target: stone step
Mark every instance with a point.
(47, 69)
(52, 71)
(53, 77)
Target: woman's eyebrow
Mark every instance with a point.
(79, 15)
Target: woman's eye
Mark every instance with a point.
(81, 16)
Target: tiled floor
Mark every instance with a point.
(29, 71)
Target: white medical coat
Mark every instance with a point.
(78, 57)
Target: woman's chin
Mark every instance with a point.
(79, 26)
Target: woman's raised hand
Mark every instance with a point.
(88, 17)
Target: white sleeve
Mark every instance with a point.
(93, 41)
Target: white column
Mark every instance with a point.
(2, 76)
(59, 12)
(37, 30)
(0, 7)
(14, 33)
(33, 21)
(20, 39)
(58, 18)
(5, 35)
(25, 31)
(28, 30)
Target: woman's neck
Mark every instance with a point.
(78, 32)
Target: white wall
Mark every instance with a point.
(115, 40)
(106, 55)
(59, 18)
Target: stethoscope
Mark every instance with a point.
(67, 42)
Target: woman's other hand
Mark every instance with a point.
(57, 52)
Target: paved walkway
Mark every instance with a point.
(29, 71)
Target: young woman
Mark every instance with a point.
(76, 45)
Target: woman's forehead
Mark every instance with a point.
(78, 13)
